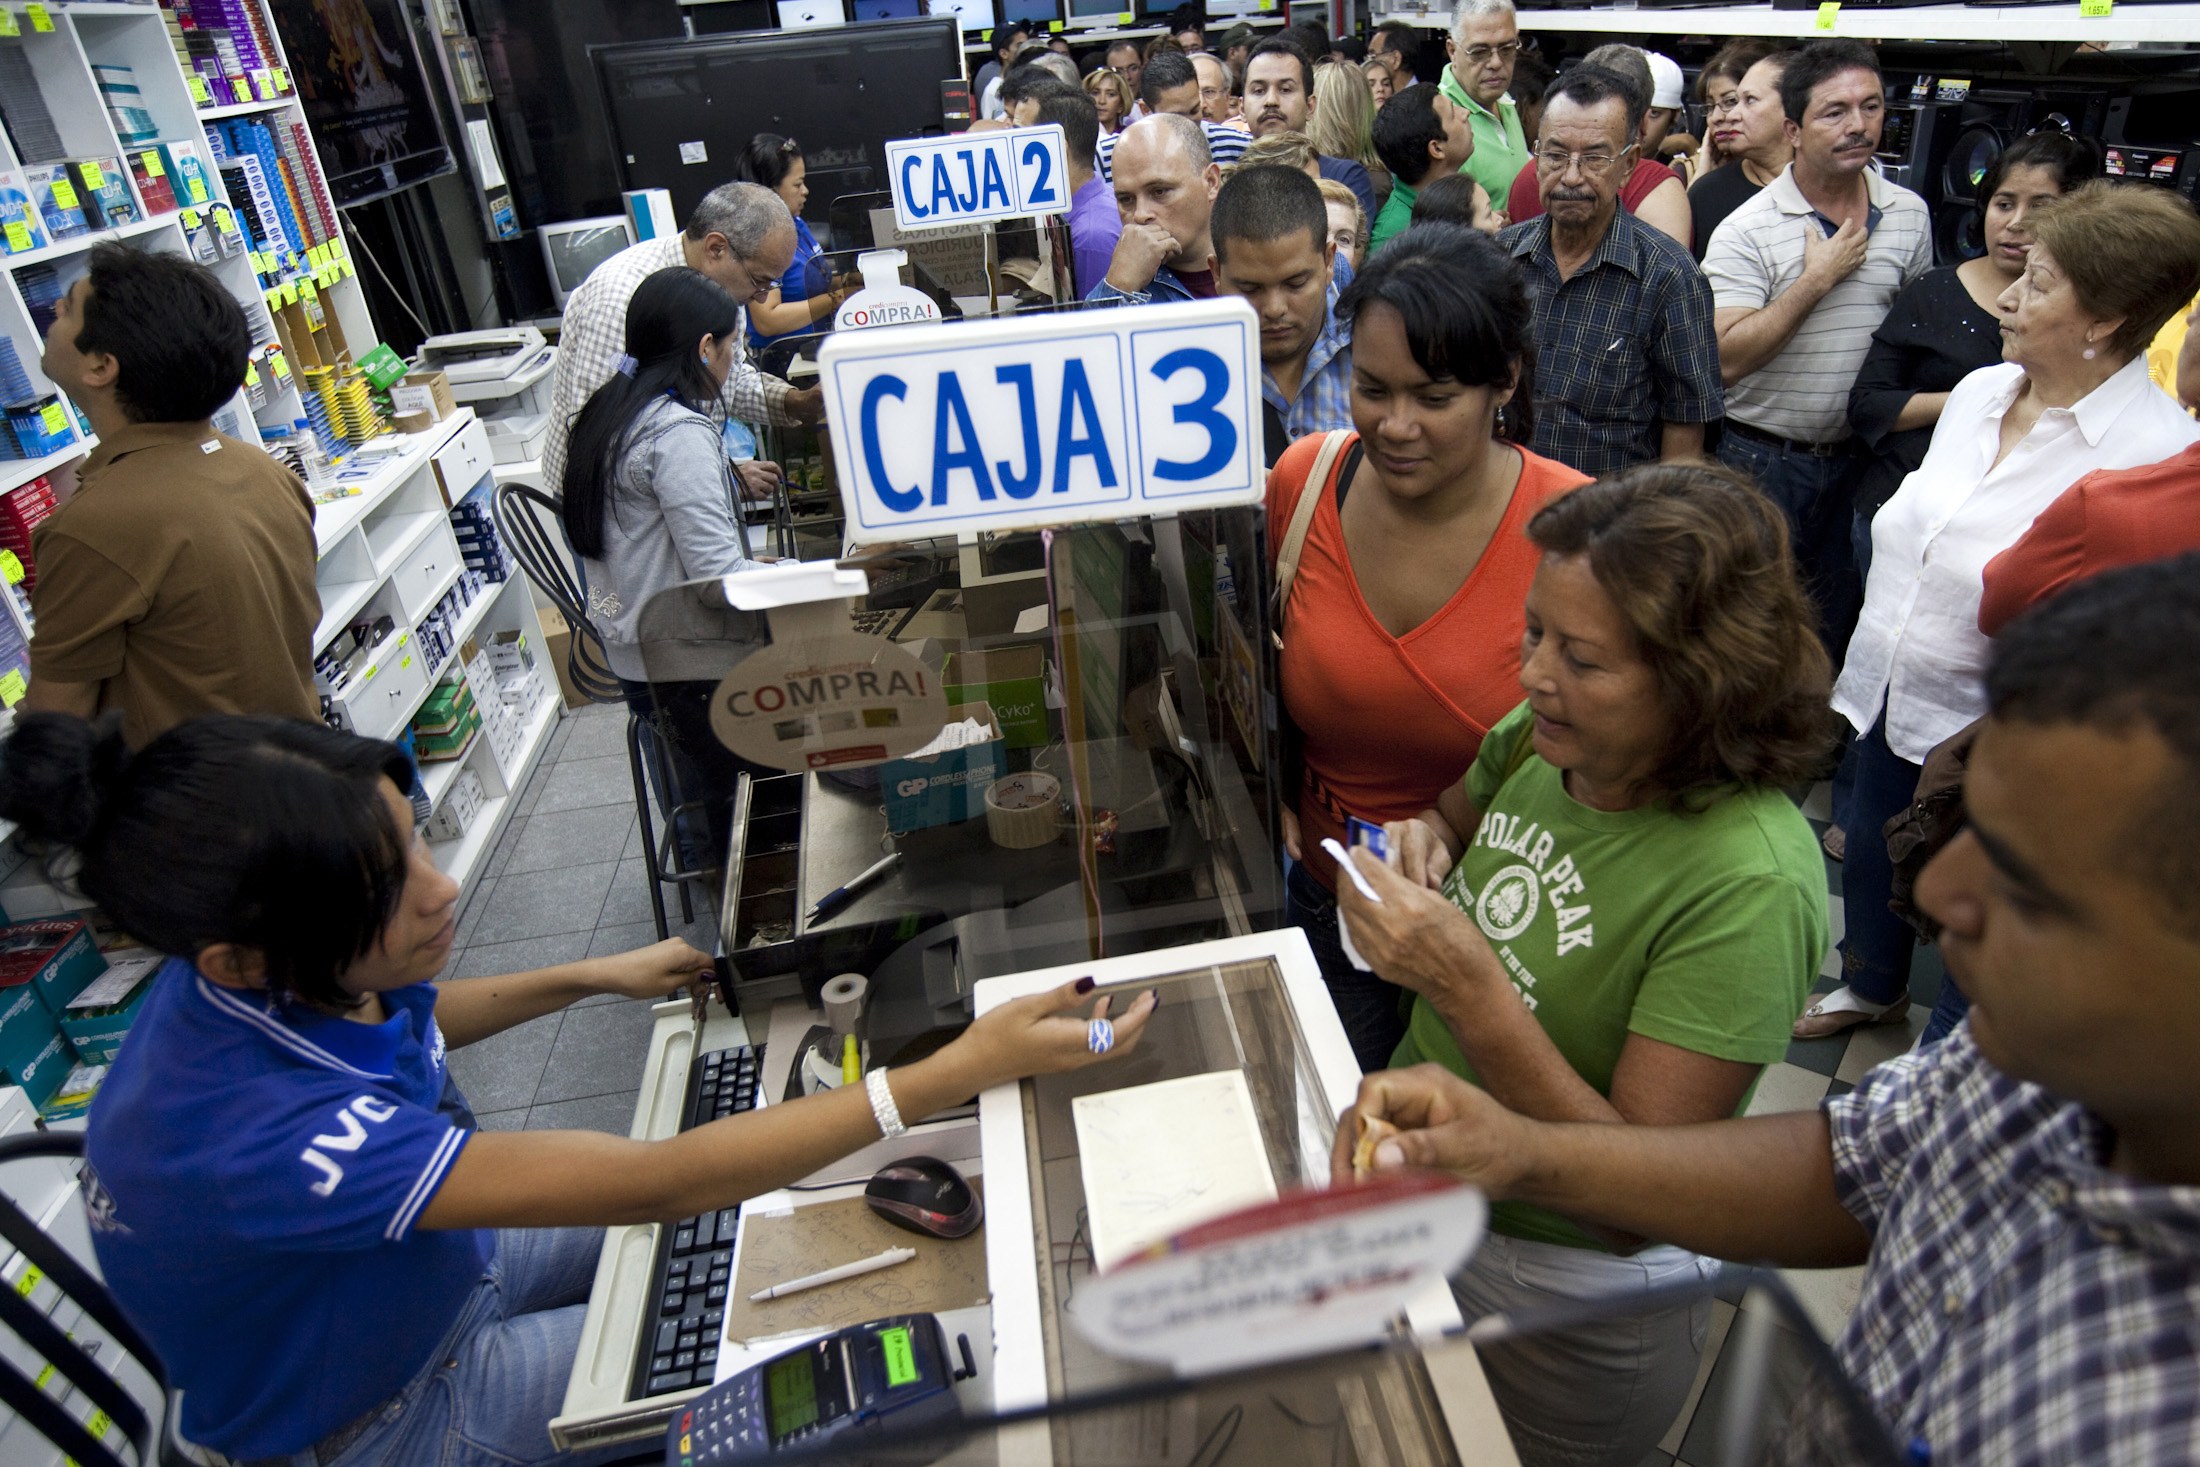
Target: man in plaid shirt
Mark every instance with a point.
(2026, 1195)
(1271, 241)
(741, 236)
(1627, 362)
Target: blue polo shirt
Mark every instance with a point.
(255, 1174)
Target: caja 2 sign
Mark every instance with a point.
(971, 177)
(1026, 422)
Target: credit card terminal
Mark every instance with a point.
(850, 1380)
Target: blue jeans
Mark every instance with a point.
(486, 1396)
(1948, 1011)
(1876, 945)
(1368, 1005)
(1815, 494)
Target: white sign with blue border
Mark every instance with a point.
(1026, 422)
(972, 177)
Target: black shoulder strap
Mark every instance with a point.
(1344, 474)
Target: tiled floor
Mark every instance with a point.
(567, 881)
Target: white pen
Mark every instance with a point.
(887, 1259)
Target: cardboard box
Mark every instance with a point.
(557, 647)
(41, 1074)
(424, 392)
(57, 957)
(97, 1019)
(942, 789)
(509, 653)
(25, 1024)
(1012, 681)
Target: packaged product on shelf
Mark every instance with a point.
(461, 807)
(187, 174)
(15, 383)
(445, 726)
(198, 235)
(125, 103)
(40, 426)
(53, 193)
(57, 957)
(154, 186)
(105, 190)
(72, 1099)
(96, 1020)
(22, 226)
(22, 509)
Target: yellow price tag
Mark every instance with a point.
(53, 419)
(251, 375)
(336, 247)
(2096, 9)
(240, 88)
(281, 78)
(264, 86)
(190, 218)
(317, 256)
(8, 27)
(1054, 25)
(95, 177)
(274, 295)
(305, 288)
(11, 569)
(290, 295)
(199, 94)
(29, 1282)
(64, 193)
(12, 689)
(277, 365)
(196, 189)
(1126, 17)
(153, 166)
(348, 268)
(40, 20)
(1828, 13)
(19, 236)
(225, 221)
(49, 1372)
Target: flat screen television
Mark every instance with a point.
(365, 93)
(681, 111)
(885, 9)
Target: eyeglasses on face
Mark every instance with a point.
(1559, 161)
(1483, 55)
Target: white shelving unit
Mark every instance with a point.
(2164, 24)
(388, 550)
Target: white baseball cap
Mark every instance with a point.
(1666, 83)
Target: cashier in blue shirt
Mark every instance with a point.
(286, 1192)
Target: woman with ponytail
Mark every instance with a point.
(286, 1190)
(649, 504)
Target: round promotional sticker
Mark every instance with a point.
(838, 701)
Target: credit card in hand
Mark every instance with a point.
(1359, 834)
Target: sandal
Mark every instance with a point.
(1841, 1010)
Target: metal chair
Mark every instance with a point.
(93, 1377)
(532, 525)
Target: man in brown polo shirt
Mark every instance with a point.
(178, 580)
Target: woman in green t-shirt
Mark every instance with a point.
(1617, 915)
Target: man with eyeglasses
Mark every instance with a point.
(1392, 46)
(742, 237)
(1484, 43)
(1627, 365)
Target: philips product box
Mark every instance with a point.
(54, 195)
(22, 226)
(1013, 681)
(57, 957)
(941, 789)
(97, 1019)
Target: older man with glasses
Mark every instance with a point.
(742, 237)
(1484, 43)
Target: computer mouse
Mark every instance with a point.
(925, 1195)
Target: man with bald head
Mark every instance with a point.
(1165, 183)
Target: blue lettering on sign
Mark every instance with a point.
(995, 194)
(1200, 412)
(909, 167)
(1042, 190)
(1025, 484)
(954, 411)
(901, 501)
(1068, 444)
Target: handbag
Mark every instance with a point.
(1935, 817)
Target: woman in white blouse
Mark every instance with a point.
(2110, 264)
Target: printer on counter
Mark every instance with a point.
(505, 375)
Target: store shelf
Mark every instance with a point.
(18, 471)
(2128, 22)
(438, 777)
(339, 604)
(246, 109)
(332, 521)
(83, 242)
(461, 859)
(402, 534)
(468, 623)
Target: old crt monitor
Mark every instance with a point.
(571, 249)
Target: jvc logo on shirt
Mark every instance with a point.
(349, 1136)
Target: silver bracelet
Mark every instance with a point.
(883, 1108)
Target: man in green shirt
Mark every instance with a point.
(1484, 43)
(1420, 135)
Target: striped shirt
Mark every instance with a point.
(1225, 145)
(593, 338)
(2024, 1304)
(1757, 253)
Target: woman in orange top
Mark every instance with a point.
(1401, 634)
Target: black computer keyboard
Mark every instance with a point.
(694, 1264)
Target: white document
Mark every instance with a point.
(1160, 1158)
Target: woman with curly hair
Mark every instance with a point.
(1617, 914)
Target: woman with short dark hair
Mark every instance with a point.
(805, 298)
(1617, 913)
(1401, 631)
(288, 1192)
